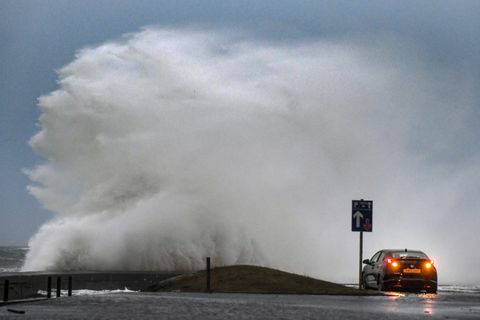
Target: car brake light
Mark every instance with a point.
(428, 265)
(392, 262)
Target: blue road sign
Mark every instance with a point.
(362, 215)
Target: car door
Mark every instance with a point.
(370, 271)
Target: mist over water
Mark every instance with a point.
(170, 145)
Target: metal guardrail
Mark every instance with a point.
(27, 285)
(18, 287)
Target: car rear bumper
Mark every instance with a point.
(410, 284)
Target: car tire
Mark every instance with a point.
(364, 281)
(433, 290)
(380, 285)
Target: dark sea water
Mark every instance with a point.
(12, 258)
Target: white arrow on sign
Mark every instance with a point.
(357, 216)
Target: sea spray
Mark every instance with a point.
(169, 146)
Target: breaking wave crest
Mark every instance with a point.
(169, 146)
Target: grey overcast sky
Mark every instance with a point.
(39, 37)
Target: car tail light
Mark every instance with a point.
(392, 263)
(428, 265)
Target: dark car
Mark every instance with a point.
(400, 270)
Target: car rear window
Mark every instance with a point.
(409, 254)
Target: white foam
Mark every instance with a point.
(459, 288)
(87, 292)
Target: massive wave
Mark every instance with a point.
(168, 146)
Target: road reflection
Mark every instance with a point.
(409, 302)
(394, 295)
(429, 299)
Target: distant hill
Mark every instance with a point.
(254, 279)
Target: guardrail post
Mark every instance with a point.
(6, 286)
(49, 287)
(70, 286)
(59, 286)
(208, 289)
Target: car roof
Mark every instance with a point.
(403, 251)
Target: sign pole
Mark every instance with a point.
(360, 280)
(362, 221)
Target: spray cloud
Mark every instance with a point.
(171, 145)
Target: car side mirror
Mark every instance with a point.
(366, 261)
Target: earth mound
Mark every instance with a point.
(254, 279)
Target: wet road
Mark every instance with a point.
(249, 306)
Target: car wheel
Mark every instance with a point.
(433, 290)
(380, 285)
(364, 282)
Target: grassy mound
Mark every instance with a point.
(254, 279)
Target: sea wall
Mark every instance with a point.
(27, 284)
